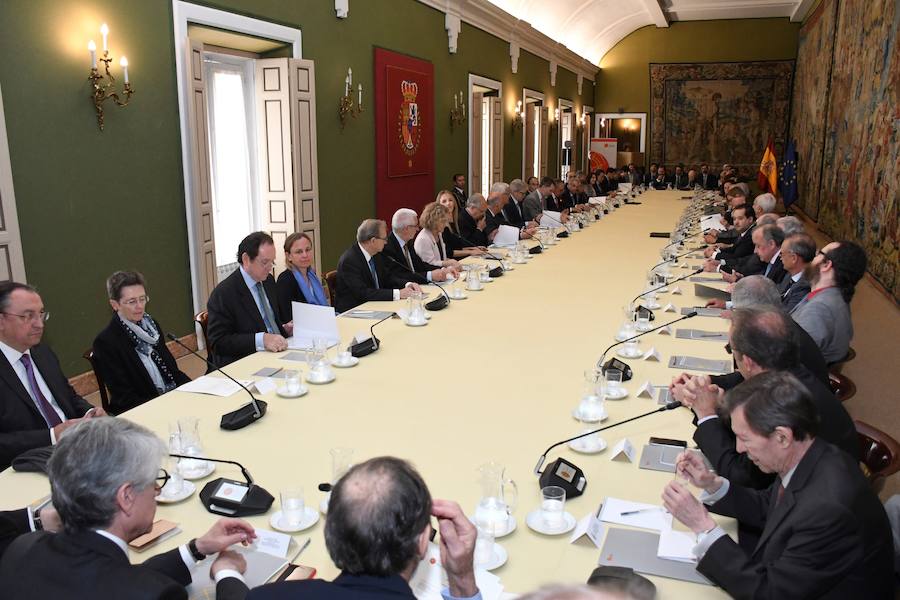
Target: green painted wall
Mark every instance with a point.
(624, 81)
(90, 202)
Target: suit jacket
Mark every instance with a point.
(634, 178)
(344, 587)
(468, 230)
(460, 197)
(355, 284)
(743, 246)
(553, 203)
(87, 565)
(393, 250)
(792, 292)
(514, 212)
(123, 372)
(680, 182)
(532, 205)
(452, 242)
(22, 427)
(826, 318)
(13, 523)
(828, 537)
(660, 184)
(568, 200)
(234, 318)
(708, 181)
(717, 441)
(493, 222)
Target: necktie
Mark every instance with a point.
(46, 409)
(518, 210)
(768, 269)
(788, 288)
(267, 314)
(780, 493)
(372, 270)
(408, 257)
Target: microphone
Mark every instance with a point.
(496, 271)
(634, 337)
(245, 415)
(659, 287)
(676, 257)
(219, 495)
(438, 303)
(370, 345)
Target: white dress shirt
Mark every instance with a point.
(367, 258)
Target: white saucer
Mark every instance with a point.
(654, 305)
(488, 280)
(311, 379)
(468, 289)
(595, 445)
(412, 324)
(310, 518)
(576, 414)
(622, 338)
(623, 352)
(498, 559)
(510, 527)
(645, 328)
(535, 521)
(282, 391)
(352, 363)
(198, 473)
(463, 297)
(623, 393)
(187, 490)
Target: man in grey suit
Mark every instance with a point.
(825, 312)
(533, 204)
(797, 251)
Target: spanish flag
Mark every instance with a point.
(767, 178)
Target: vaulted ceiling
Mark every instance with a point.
(590, 28)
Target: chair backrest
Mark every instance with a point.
(331, 282)
(202, 319)
(104, 393)
(842, 386)
(880, 454)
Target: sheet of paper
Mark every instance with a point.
(621, 448)
(551, 219)
(261, 567)
(600, 200)
(265, 385)
(312, 321)
(214, 386)
(651, 516)
(624, 187)
(272, 542)
(506, 236)
(677, 545)
(429, 579)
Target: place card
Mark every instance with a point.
(623, 448)
(652, 354)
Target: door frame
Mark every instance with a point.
(184, 13)
(642, 117)
(529, 93)
(494, 85)
(562, 104)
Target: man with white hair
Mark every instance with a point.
(797, 251)
(764, 204)
(105, 476)
(790, 225)
(399, 249)
(497, 203)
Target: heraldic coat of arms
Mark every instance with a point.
(408, 125)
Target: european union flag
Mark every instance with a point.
(789, 175)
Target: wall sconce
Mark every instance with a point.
(519, 118)
(556, 114)
(104, 91)
(602, 121)
(584, 118)
(458, 112)
(347, 106)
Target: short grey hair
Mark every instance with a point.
(92, 461)
(517, 185)
(476, 200)
(755, 291)
(500, 187)
(767, 219)
(744, 188)
(771, 233)
(802, 245)
(791, 225)
(494, 199)
(368, 229)
(766, 203)
(403, 217)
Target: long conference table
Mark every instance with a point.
(494, 377)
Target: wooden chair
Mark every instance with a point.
(842, 386)
(202, 319)
(331, 283)
(104, 393)
(880, 454)
(838, 367)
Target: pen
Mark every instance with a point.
(640, 510)
(301, 549)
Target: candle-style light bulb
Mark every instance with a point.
(104, 31)
(359, 101)
(92, 48)
(123, 62)
(350, 76)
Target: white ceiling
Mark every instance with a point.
(591, 28)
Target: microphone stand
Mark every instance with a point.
(437, 303)
(634, 337)
(659, 287)
(255, 501)
(370, 345)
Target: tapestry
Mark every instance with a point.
(810, 101)
(860, 192)
(404, 132)
(718, 112)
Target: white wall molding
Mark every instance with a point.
(514, 56)
(342, 8)
(452, 24)
(499, 23)
(580, 82)
(553, 67)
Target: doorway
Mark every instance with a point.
(566, 136)
(485, 134)
(536, 127)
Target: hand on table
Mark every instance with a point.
(710, 265)
(704, 397)
(223, 534)
(289, 328)
(716, 303)
(409, 289)
(228, 559)
(274, 342)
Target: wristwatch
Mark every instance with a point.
(36, 520)
(192, 548)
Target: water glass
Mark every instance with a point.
(631, 348)
(613, 379)
(553, 504)
(484, 545)
(292, 381)
(292, 507)
(643, 321)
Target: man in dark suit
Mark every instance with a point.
(680, 178)
(399, 249)
(765, 260)
(707, 179)
(244, 315)
(824, 532)
(14, 523)
(514, 211)
(662, 180)
(36, 401)
(533, 204)
(650, 175)
(459, 190)
(472, 221)
(363, 275)
(744, 221)
(797, 251)
(634, 177)
(105, 477)
(553, 201)
(378, 531)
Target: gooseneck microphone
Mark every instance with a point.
(243, 416)
(659, 287)
(676, 257)
(223, 496)
(693, 313)
(370, 345)
(439, 303)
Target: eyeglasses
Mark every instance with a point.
(163, 477)
(132, 302)
(265, 263)
(30, 317)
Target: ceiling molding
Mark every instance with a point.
(655, 10)
(801, 10)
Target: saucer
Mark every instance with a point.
(653, 305)
(468, 289)
(351, 363)
(535, 521)
(510, 527)
(643, 328)
(622, 393)
(620, 337)
(187, 490)
(488, 280)
(461, 297)
(282, 391)
(198, 472)
(318, 381)
(498, 559)
(310, 518)
(624, 353)
(591, 444)
(423, 323)
(576, 414)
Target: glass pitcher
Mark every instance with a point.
(498, 499)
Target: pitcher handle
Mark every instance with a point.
(511, 502)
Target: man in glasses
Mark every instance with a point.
(243, 309)
(104, 479)
(36, 401)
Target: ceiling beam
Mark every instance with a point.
(657, 15)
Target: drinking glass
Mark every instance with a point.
(613, 381)
(484, 544)
(292, 381)
(292, 506)
(553, 504)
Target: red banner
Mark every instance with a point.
(404, 132)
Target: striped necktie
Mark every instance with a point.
(268, 314)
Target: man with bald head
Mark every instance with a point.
(378, 530)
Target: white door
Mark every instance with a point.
(302, 85)
(12, 263)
